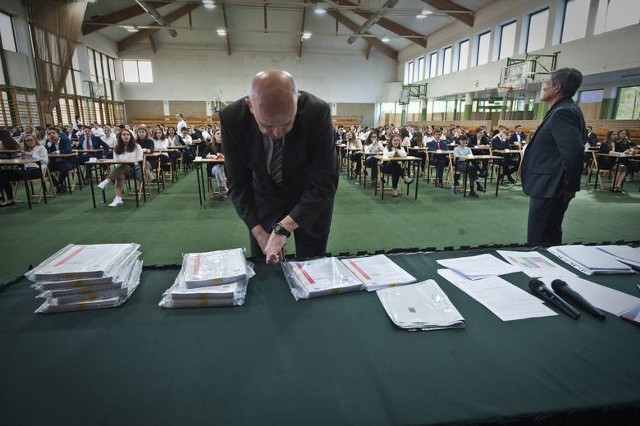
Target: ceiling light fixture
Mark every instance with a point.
(321, 8)
(221, 32)
(306, 35)
(209, 4)
(131, 28)
(386, 39)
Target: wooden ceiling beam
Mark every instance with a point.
(135, 38)
(388, 24)
(454, 10)
(388, 51)
(118, 16)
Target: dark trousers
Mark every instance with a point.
(63, 168)
(9, 175)
(441, 162)
(357, 159)
(394, 169)
(545, 221)
(373, 163)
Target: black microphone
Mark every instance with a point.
(538, 288)
(563, 290)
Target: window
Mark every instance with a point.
(628, 107)
(408, 72)
(615, 14)
(463, 55)
(138, 71)
(7, 36)
(507, 40)
(2, 80)
(433, 64)
(537, 31)
(421, 67)
(482, 51)
(446, 60)
(576, 13)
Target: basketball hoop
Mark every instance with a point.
(504, 90)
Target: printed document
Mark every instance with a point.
(534, 264)
(478, 267)
(378, 272)
(504, 299)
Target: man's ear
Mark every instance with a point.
(248, 101)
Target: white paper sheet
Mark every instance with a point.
(534, 264)
(590, 260)
(378, 272)
(478, 267)
(504, 299)
(625, 254)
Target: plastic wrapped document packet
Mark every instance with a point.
(97, 300)
(378, 272)
(420, 306)
(217, 278)
(82, 261)
(319, 277)
(180, 296)
(214, 268)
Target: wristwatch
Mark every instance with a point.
(281, 230)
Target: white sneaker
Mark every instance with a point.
(116, 202)
(102, 185)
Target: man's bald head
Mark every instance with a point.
(274, 102)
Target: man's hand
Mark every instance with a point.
(261, 237)
(274, 250)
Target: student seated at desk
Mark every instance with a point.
(147, 145)
(9, 143)
(618, 170)
(109, 140)
(87, 141)
(509, 164)
(128, 150)
(418, 142)
(394, 168)
(31, 170)
(463, 166)
(57, 143)
(372, 146)
(190, 150)
(160, 143)
(355, 158)
(214, 151)
(437, 143)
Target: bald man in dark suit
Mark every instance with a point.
(282, 170)
(553, 159)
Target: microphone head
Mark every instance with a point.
(558, 284)
(535, 284)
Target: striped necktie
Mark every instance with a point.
(276, 161)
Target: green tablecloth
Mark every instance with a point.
(334, 360)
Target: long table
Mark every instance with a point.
(333, 360)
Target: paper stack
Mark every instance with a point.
(378, 272)
(420, 306)
(319, 277)
(81, 277)
(590, 260)
(216, 278)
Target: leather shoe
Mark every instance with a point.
(473, 194)
(511, 180)
(8, 204)
(481, 188)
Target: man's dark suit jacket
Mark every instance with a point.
(514, 137)
(64, 145)
(310, 168)
(554, 157)
(593, 139)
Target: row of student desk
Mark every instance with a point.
(333, 360)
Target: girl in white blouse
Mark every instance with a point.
(128, 150)
(31, 170)
(394, 168)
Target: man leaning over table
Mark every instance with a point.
(552, 163)
(282, 170)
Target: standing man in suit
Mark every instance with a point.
(282, 171)
(552, 162)
(592, 138)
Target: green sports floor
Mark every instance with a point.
(173, 222)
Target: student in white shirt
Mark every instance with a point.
(460, 153)
(126, 149)
(97, 131)
(109, 137)
(160, 143)
(394, 168)
(181, 123)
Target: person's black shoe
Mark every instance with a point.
(440, 184)
(480, 188)
(473, 194)
(61, 189)
(456, 183)
(511, 180)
